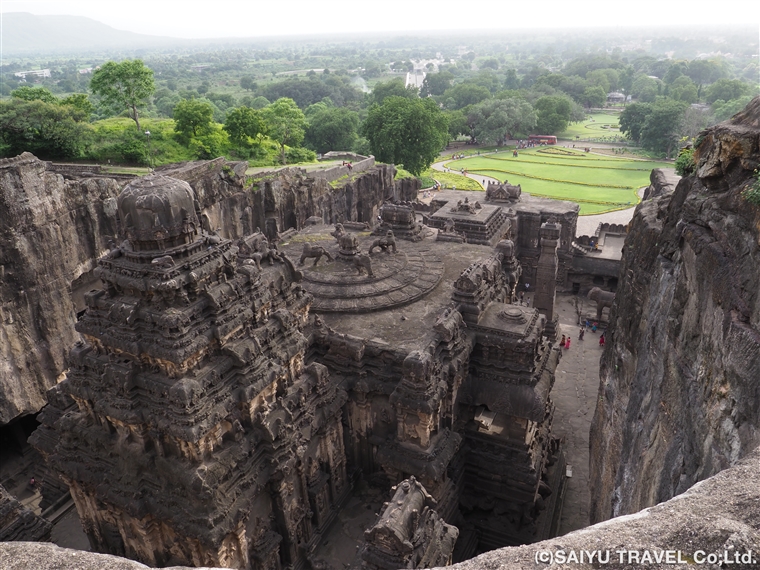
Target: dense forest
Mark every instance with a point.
(289, 100)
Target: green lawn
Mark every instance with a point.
(451, 180)
(597, 126)
(597, 183)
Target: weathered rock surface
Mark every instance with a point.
(51, 232)
(661, 181)
(678, 398)
(715, 516)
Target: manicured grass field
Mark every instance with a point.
(451, 180)
(598, 183)
(597, 126)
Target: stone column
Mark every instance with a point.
(546, 276)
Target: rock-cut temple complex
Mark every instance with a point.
(228, 395)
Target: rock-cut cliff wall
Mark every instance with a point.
(679, 394)
(51, 233)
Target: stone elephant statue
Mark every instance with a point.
(363, 263)
(603, 299)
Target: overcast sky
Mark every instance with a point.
(252, 18)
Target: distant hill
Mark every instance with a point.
(25, 34)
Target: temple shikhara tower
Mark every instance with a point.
(195, 432)
(225, 403)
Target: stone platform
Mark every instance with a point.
(339, 287)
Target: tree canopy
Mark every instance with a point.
(332, 129)
(554, 114)
(26, 93)
(49, 130)
(125, 85)
(406, 131)
(244, 126)
(464, 94)
(436, 83)
(496, 120)
(392, 88)
(286, 123)
(192, 118)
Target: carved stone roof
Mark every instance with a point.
(157, 212)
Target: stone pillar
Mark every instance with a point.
(546, 276)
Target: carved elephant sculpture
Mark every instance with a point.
(315, 251)
(385, 243)
(363, 262)
(603, 299)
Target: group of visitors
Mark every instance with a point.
(593, 325)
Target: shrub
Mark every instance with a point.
(685, 164)
(752, 192)
(299, 154)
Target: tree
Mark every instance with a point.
(332, 129)
(126, 85)
(464, 94)
(49, 130)
(726, 89)
(496, 120)
(511, 81)
(27, 93)
(683, 89)
(660, 130)
(245, 126)
(436, 83)
(406, 131)
(79, 101)
(285, 122)
(632, 120)
(594, 96)
(392, 88)
(645, 88)
(598, 78)
(554, 114)
(458, 124)
(247, 83)
(192, 118)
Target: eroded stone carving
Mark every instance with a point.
(603, 299)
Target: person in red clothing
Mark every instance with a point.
(601, 340)
(567, 343)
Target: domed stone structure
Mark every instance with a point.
(157, 212)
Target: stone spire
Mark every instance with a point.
(546, 275)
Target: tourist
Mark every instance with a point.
(567, 343)
(581, 333)
(601, 340)
(522, 297)
(593, 327)
(562, 342)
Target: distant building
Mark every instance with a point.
(615, 97)
(415, 78)
(33, 73)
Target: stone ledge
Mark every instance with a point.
(716, 515)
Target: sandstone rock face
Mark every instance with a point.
(51, 232)
(678, 393)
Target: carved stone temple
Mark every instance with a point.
(225, 402)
